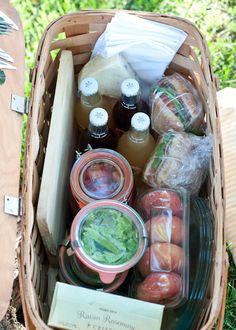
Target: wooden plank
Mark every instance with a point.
(184, 50)
(10, 150)
(184, 62)
(53, 196)
(52, 279)
(80, 40)
(82, 58)
(74, 30)
(49, 76)
(80, 49)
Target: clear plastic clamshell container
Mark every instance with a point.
(163, 272)
(108, 237)
(101, 174)
(200, 268)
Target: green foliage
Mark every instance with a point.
(36, 15)
(151, 5)
(230, 311)
(215, 19)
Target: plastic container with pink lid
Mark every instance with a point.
(108, 237)
(101, 174)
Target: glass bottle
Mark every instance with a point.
(98, 134)
(88, 99)
(137, 144)
(128, 105)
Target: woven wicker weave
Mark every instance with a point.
(78, 32)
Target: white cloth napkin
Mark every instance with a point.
(148, 46)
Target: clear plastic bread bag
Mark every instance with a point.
(179, 160)
(175, 104)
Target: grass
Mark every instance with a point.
(230, 311)
(215, 19)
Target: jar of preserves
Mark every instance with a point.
(101, 174)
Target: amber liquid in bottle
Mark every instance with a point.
(98, 134)
(129, 104)
(137, 144)
(88, 99)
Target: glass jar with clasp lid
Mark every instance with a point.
(101, 174)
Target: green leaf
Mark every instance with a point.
(109, 236)
(161, 149)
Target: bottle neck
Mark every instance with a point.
(90, 100)
(129, 102)
(98, 132)
(138, 136)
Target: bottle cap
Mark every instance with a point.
(130, 87)
(140, 121)
(88, 86)
(98, 117)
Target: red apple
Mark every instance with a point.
(164, 228)
(160, 287)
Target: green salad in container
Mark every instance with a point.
(109, 237)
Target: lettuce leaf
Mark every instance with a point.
(109, 237)
(160, 151)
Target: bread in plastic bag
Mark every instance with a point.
(179, 160)
(176, 105)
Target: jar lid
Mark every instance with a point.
(108, 237)
(101, 179)
(130, 87)
(88, 86)
(98, 117)
(140, 121)
(101, 174)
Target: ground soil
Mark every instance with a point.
(14, 319)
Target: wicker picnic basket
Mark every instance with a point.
(78, 32)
